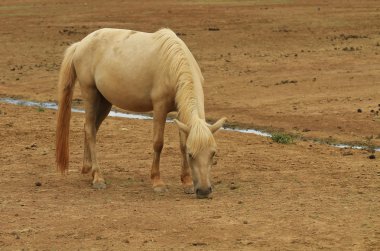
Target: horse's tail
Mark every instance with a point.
(66, 83)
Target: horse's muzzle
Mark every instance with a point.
(203, 193)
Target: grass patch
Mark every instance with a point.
(40, 109)
(282, 138)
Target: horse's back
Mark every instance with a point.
(122, 65)
(115, 46)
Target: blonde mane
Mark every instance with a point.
(179, 64)
(199, 138)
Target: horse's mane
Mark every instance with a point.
(178, 62)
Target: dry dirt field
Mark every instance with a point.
(310, 69)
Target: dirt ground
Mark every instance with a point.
(311, 69)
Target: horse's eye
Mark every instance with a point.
(213, 154)
(191, 156)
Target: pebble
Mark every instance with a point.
(233, 186)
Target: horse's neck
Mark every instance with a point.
(190, 102)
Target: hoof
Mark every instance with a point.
(99, 185)
(209, 197)
(188, 189)
(160, 189)
(86, 169)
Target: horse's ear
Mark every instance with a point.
(182, 126)
(217, 125)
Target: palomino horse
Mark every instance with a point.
(140, 72)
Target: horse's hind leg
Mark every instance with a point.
(103, 111)
(93, 119)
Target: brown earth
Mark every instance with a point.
(293, 66)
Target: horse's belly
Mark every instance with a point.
(129, 96)
(134, 104)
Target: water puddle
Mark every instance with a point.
(54, 106)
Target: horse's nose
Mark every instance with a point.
(203, 193)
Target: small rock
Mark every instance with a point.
(359, 110)
(38, 183)
(199, 244)
(32, 146)
(213, 29)
(372, 156)
(245, 222)
(233, 186)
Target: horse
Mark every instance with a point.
(140, 72)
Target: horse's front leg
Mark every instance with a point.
(187, 182)
(159, 118)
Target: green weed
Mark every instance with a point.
(40, 109)
(282, 138)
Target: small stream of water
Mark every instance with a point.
(54, 106)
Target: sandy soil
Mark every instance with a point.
(279, 65)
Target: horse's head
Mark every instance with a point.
(200, 152)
